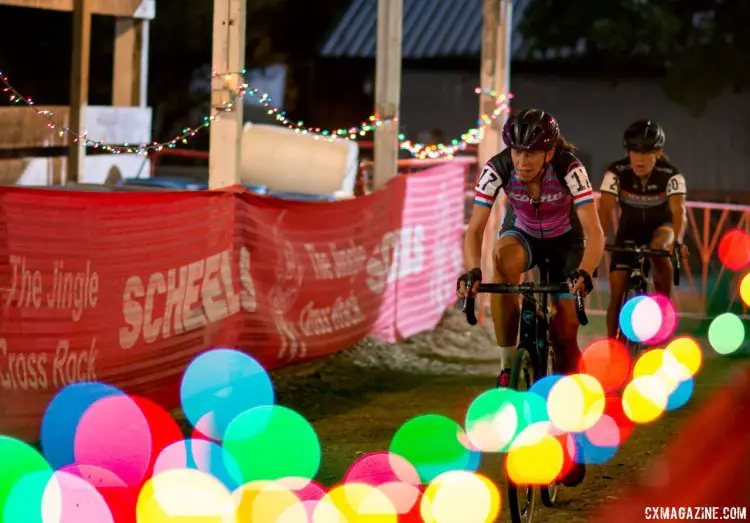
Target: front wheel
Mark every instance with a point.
(521, 498)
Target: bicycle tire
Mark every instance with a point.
(548, 493)
(522, 376)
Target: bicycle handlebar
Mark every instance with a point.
(643, 250)
(467, 304)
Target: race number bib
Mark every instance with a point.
(610, 184)
(676, 185)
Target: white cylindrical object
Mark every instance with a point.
(287, 161)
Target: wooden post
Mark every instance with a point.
(495, 72)
(387, 89)
(228, 57)
(79, 88)
(130, 64)
(497, 16)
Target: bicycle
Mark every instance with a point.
(534, 359)
(638, 280)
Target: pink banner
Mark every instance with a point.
(431, 258)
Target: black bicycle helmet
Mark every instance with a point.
(643, 136)
(531, 130)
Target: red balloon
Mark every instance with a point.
(734, 249)
(607, 360)
(613, 409)
(164, 429)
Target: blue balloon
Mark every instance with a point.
(543, 387)
(626, 318)
(590, 454)
(681, 395)
(62, 416)
(223, 383)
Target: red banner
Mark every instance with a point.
(127, 288)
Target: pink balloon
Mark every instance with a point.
(305, 489)
(70, 499)
(378, 468)
(669, 320)
(115, 435)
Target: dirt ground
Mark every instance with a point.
(359, 398)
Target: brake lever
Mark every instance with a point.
(466, 304)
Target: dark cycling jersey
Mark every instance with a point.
(565, 185)
(644, 201)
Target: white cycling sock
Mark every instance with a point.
(506, 357)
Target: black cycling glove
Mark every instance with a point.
(588, 283)
(475, 275)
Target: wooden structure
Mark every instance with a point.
(388, 88)
(228, 57)
(128, 120)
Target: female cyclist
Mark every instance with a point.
(552, 204)
(651, 193)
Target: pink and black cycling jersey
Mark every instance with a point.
(564, 186)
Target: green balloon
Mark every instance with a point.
(487, 407)
(272, 442)
(726, 333)
(17, 461)
(24, 501)
(431, 444)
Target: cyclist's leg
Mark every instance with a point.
(564, 325)
(564, 333)
(662, 238)
(511, 257)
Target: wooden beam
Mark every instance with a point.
(130, 64)
(228, 56)
(388, 89)
(144, 9)
(79, 86)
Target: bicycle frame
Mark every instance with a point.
(533, 340)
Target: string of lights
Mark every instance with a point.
(418, 150)
(17, 98)
(470, 137)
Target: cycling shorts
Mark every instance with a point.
(641, 234)
(565, 253)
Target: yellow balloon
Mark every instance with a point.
(687, 352)
(745, 289)
(644, 399)
(537, 463)
(576, 402)
(267, 502)
(460, 496)
(648, 363)
(355, 503)
(180, 495)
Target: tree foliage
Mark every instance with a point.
(702, 45)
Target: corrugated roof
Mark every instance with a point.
(432, 29)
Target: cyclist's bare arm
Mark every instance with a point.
(679, 215)
(609, 190)
(607, 204)
(480, 215)
(592, 229)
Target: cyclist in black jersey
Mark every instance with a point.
(651, 195)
